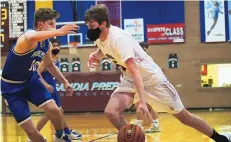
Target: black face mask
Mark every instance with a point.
(93, 34)
(55, 51)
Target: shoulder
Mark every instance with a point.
(118, 33)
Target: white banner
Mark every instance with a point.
(214, 21)
(135, 27)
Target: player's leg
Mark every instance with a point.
(121, 98)
(74, 135)
(40, 96)
(155, 124)
(190, 119)
(115, 107)
(32, 133)
(42, 122)
(199, 124)
(58, 103)
(153, 113)
(18, 105)
(56, 117)
(71, 134)
(167, 96)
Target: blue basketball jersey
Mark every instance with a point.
(20, 67)
(49, 78)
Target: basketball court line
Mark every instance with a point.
(108, 135)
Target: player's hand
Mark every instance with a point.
(69, 89)
(68, 29)
(142, 110)
(92, 60)
(49, 88)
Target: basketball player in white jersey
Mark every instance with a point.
(141, 75)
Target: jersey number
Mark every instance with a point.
(34, 65)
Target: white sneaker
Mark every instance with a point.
(74, 135)
(153, 129)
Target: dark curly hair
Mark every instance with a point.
(54, 40)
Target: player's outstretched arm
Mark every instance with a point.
(51, 67)
(36, 36)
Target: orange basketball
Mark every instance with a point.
(131, 133)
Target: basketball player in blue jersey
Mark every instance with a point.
(50, 83)
(214, 14)
(19, 84)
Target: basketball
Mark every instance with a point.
(131, 133)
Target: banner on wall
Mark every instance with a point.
(135, 27)
(214, 16)
(229, 17)
(91, 91)
(165, 33)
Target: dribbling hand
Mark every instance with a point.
(142, 110)
(69, 89)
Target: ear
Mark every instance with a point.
(40, 24)
(104, 23)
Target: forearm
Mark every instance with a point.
(98, 54)
(39, 71)
(139, 84)
(56, 73)
(42, 79)
(42, 35)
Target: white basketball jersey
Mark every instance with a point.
(120, 46)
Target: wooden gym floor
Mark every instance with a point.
(95, 127)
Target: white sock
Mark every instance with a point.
(139, 122)
(155, 123)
